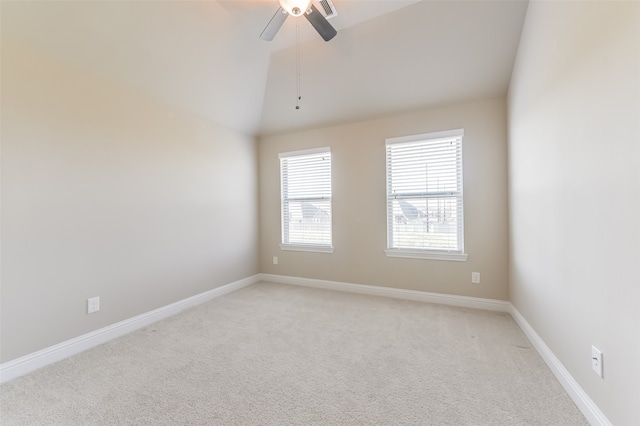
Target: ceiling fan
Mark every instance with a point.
(298, 8)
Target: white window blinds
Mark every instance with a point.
(424, 192)
(305, 178)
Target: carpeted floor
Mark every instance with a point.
(273, 354)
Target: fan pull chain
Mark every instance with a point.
(298, 65)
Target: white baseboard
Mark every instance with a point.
(36, 360)
(28, 363)
(396, 293)
(588, 408)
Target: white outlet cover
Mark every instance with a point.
(93, 305)
(475, 277)
(596, 360)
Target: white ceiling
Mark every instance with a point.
(205, 56)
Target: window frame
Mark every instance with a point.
(425, 252)
(308, 247)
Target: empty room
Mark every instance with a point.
(345, 212)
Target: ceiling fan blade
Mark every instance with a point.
(274, 25)
(320, 23)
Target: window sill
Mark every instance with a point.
(427, 254)
(302, 247)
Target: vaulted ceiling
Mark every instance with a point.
(205, 56)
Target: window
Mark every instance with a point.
(424, 196)
(305, 179)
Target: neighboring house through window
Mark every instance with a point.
(424, 196)
(305, 179)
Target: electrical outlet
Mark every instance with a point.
(475, 278)
(596, 360)
(275, 260)
(93, 305)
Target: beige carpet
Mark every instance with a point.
(273, 354)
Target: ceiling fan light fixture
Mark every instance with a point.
(300, 8)
(295, 7)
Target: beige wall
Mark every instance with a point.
(575, 192)
(359, 206)
(106, 192)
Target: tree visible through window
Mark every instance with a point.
(424, 193)
(305, 178)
